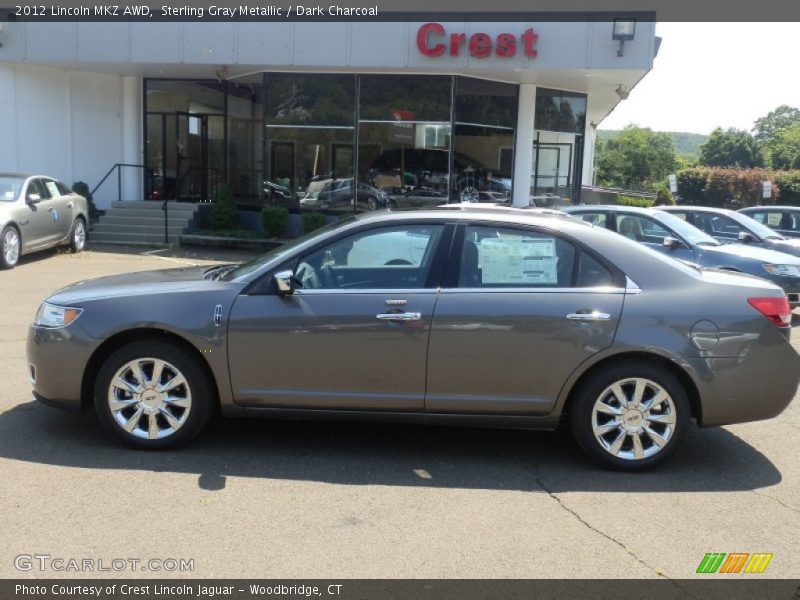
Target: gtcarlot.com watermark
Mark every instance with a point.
(44, 563)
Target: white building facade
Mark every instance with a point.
(444, 107)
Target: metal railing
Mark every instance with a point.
(118, 168)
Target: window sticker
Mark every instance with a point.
(774, 219)
(9, 195)
(518, 261)
(52, 188)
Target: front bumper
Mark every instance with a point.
(57, 360)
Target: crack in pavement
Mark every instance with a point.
(585, 523)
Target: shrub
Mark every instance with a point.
(82, 188)
(312, 221)
(635, 201)
(664, 196)
(788, 183)
(224, 213)
(724, 187)
(275, 220)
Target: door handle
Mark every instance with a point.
(589, 315)
(406, 316)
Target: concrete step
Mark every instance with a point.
(124, 237)
(172, 206)
(153, 213)
(138, 228)
(115, 219)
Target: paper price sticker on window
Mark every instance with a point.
(518, 261)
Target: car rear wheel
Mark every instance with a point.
(77, 238)
(372, 203)
(630, 416)
(10, 251)
(153, 395)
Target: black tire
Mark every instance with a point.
(76, 243)
(392, 204)
(597, 384)
(9, 261)
(198, 384)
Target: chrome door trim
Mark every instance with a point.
(595, 315)
(535, 290)
(385, 292)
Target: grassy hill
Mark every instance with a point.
(685, 143)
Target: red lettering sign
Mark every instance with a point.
(431, 41)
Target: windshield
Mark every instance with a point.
(688, 232)
(257, 263)
(10, 188)
(754, 226)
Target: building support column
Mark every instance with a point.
(132, 134)
(523, 151)
(589, 140)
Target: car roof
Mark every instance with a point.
(615, 207)
(770, 207)
(687, 208)
(468, 211)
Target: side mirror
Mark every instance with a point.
(34, 199)
(671, 242)
(746, 237)
(284, 281)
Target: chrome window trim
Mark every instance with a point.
(392, 291)
(537, 290)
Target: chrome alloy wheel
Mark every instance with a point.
(79, 235)
(149, 398)
(11, 246)
(633, 419)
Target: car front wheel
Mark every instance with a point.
(153, 395)
(77, 238)
(630, 416)
(10, 251)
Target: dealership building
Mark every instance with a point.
(449, 107)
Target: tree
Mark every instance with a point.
(782, 117)
(635, 159)
(784, 148)
(731, 148)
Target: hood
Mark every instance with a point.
(753, 252)
(789, 245)
(134, 284)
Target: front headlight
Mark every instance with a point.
(50, 315)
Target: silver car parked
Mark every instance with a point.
(488, 317)
(37, 213)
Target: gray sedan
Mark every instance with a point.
(486, 317)
(677, 238)
(36, 213)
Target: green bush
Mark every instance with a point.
(635, 201)
(82, 189)
(724, 187)
(312, 221)
(788, 183)
(664, 196)
(275, 220)
(225, 213)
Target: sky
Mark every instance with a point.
(709, 75)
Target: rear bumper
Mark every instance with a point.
(757, 385)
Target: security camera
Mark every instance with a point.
(622, 92)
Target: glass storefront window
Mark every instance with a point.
(245, 140)
(560, 122)
(310, 133)
(404, 98)
(325, 100)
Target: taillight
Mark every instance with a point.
(775, 309)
